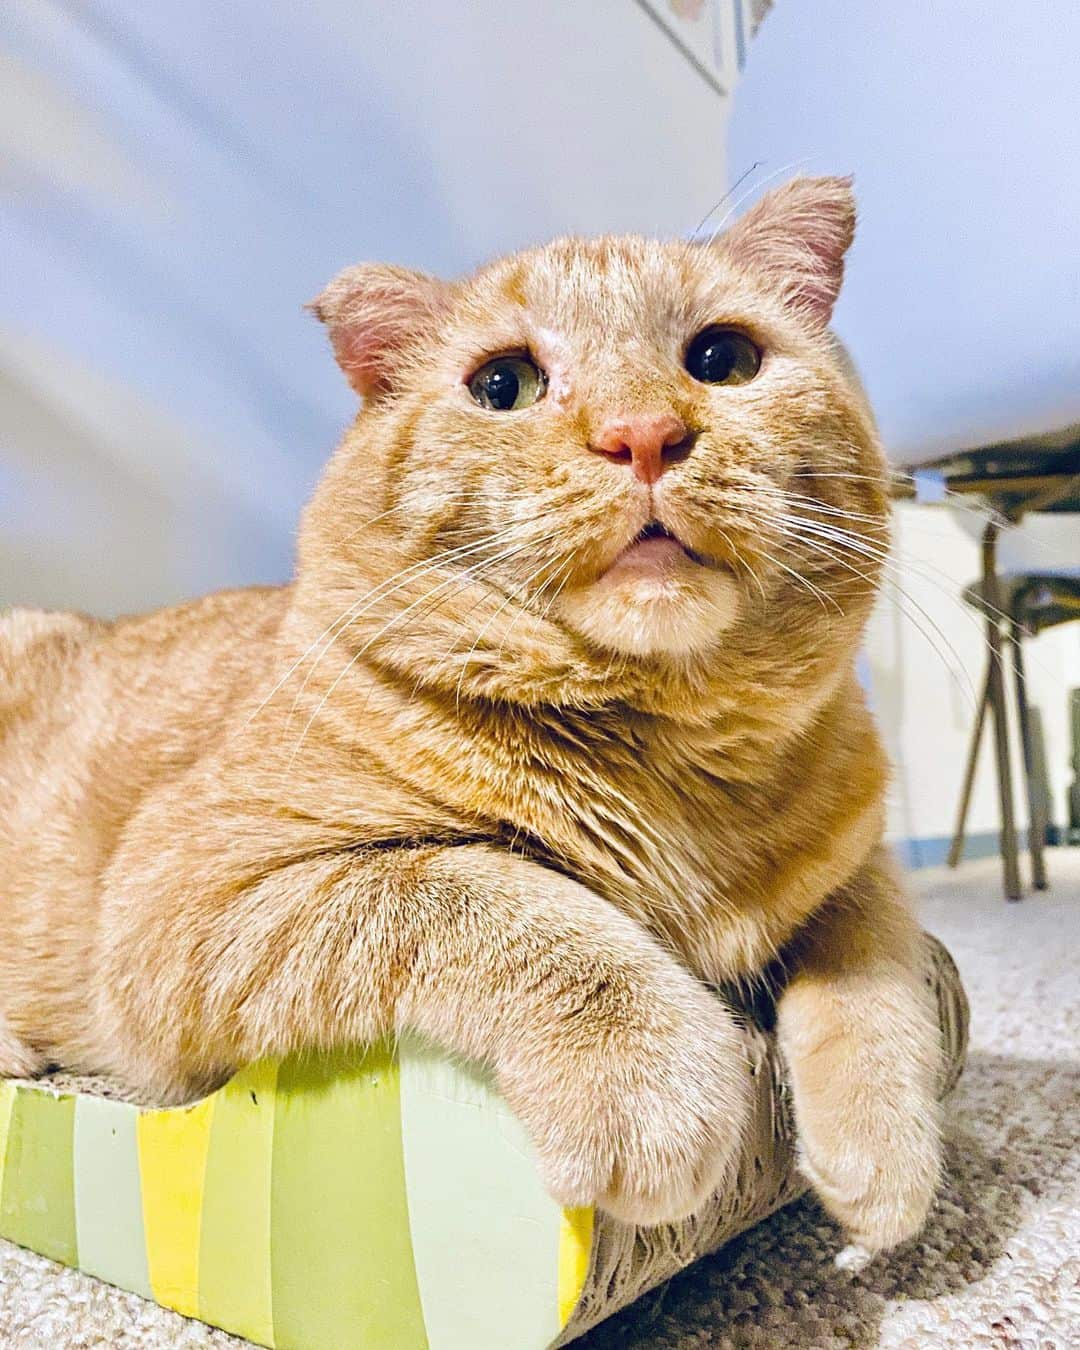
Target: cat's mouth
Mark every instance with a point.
(656, 546)
(654, 530)
(657, 595)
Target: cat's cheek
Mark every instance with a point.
(643, 615)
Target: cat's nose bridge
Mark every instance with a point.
(648, 442)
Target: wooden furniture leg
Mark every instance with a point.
(1009, 856)
(1036, 806)
(956, 847)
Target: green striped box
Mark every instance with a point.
(386, 1199)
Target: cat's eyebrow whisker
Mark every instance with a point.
(757, 164)
(755, 187)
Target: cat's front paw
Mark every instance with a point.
(645, 1127)
(878, 1184)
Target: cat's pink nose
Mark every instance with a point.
(648, 442)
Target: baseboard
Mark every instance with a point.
(932, 850)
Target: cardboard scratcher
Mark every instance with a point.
(386, 1198)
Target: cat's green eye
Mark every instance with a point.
(508, 383)
(722, 356)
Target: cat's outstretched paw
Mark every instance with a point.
(646, 1127)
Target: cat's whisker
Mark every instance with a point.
(903, 596)
(465, 577)
(356, 611)
(969, 503)
(871, 546)
(377, 592)
(900, 561)
(818, 594)
(740, 561)
(457, 578)
(541, 618)
(509, 599)
(424, 613)
(559, 588)
(906, 604)
(388, 587)
(462, 499)
(781, 496)
(566, 566)
(923, 567)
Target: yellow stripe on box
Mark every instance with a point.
(575, 1250)
(172, 1166)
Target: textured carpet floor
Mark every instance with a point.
(998, 1266)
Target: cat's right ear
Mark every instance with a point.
(795, 239)
(372, 311)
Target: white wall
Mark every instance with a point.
(925, 682)
(961, 123)
(178, 178)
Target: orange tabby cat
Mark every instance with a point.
(556, 727)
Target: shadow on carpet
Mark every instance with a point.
(1012, 1170)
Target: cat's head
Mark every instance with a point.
(613, 458)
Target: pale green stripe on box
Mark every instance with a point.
(108, 1199)
(234, 1250)
(485, 1233)
(38, 1209)
(7, 1101)
(341, 1256)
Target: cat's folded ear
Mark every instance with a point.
(795, 239)
(373, 312)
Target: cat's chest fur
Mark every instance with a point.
(667, 823)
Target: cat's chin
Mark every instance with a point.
(662, 602)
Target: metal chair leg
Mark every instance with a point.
(1010, 861)
(1036, 806)
(956, 847)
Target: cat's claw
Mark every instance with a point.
(853, 1258)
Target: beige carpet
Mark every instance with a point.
(998, 1267)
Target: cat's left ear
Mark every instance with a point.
(373, 312)
(795, 239)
